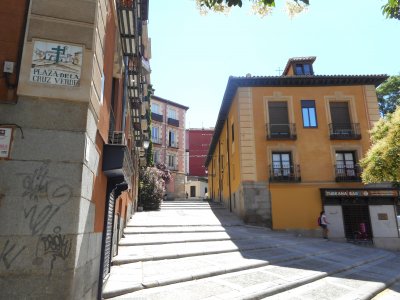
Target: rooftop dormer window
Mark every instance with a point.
(303, 69)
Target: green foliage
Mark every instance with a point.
(149, 155)
(389, 95)
(392, 9)
(230, 3)
(382, 161)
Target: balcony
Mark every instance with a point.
(344, 131)
(156, 140)
(284, 174)
(117, 161)
(348, 173)
(156, 117)
(281, 131)
(173, 122)
(117, 138)
(173, 167)
(173, 144)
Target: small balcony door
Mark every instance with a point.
(345, 164)
(340, 117)
(281, 164)
(278, 118)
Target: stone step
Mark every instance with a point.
(363, 282)
(130, 254)
(163, 238)
(391, 292)
(248, 274)
(173, 229)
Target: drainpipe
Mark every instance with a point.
(229, 167)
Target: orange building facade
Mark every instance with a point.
(281, 142)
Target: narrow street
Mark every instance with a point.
(199, 250)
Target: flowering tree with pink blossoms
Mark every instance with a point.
(152, 181)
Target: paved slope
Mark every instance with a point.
(199, 250)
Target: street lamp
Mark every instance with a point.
(146, 144)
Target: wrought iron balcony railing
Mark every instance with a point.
(344, 131)
(173, 167)
(173, 122)
(281, 131)
(156, 140)
(284, 174)
(173, 144)
(350, 173)
(156, 117)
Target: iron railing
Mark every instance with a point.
(156, 140)
(344, 131)
(281, 131)
(173, 122)
(284, 174)
(173, 144)
(345, 173)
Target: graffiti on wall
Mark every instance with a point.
(45, 197)
(54, 245)
(9, 253)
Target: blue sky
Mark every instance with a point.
(193, 55)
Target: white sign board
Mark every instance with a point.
(5, 140)
(56, 64)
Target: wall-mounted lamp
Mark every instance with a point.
(146, 144)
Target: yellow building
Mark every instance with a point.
(279, 141)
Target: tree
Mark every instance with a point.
(382, 161)
(259, 7)
(152, 182)
(392, 9)
(263, 7)
(389, 95)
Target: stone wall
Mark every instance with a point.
(256, 202)
(48, 247)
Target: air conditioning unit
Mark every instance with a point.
(118, 138)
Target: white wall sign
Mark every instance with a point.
(56, 63)
(5, 141)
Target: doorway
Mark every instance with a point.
(357, 222)
(192, 191)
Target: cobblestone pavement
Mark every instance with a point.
(193, 249)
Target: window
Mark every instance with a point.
(156, 156)
(155, 108)
(172, 139)
(303, 69)
(278, 118)
(155, 137)
(345, 163)
(172, 114)
(281, 164)
(233, 133)
(171, 161)
(341, 124)
(309, 113)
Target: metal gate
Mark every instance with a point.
(108, 237)
(357, 222)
